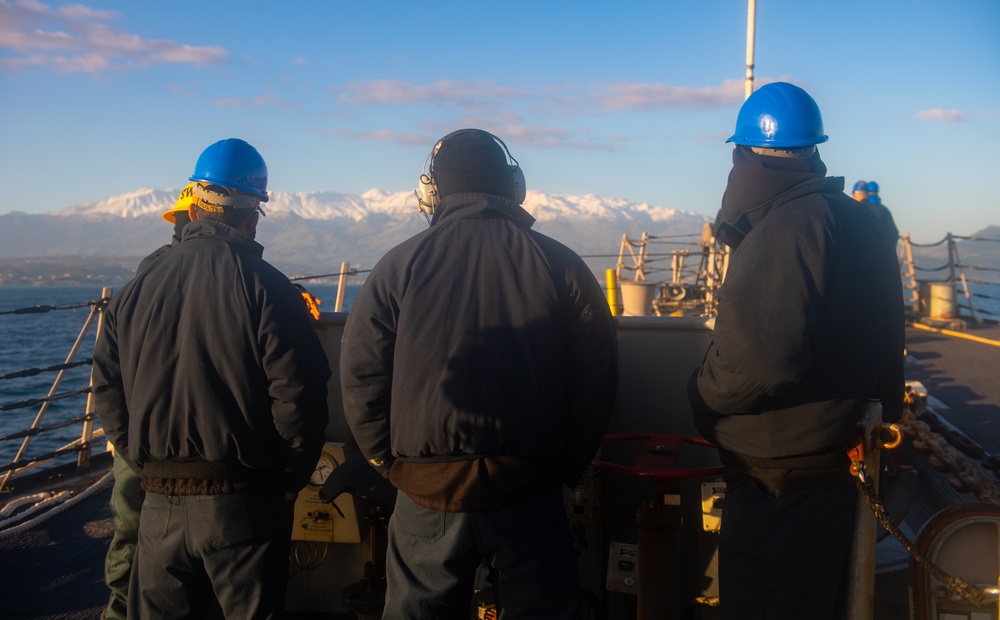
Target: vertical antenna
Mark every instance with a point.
(751, 28)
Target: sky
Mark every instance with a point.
(630, 100)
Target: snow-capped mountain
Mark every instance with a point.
(313, 232)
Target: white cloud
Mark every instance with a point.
(80, 12)
(400, 93)
(576, 99)
(536, 136)
(378, 135)
(939, 114)
(488, 106)
(655, 96)
(75, 39)
(274, 100)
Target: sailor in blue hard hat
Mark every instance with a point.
(874, 202)
(230, 183)
(211, 382)
(779, 116)
(860, 191)
(873, 196)
(809, 329)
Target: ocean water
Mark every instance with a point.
(42, 340)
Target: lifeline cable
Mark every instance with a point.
(31, 372)
(45, 457)
(43, 429)
(349, 272)
(41, 309)
(34, 401)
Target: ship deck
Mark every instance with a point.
(959, 372)
(55, 570)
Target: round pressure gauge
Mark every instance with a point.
(324, 468)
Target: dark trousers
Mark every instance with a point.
(783, 555)
(433, 556)
(126, 502)
(194, 550)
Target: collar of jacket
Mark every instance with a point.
(760, 184)
(210, 229)
(480, 207)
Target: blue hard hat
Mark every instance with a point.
(860, 186)
(873, 187)
(779, 115)
(234, 164)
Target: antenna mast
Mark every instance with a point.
(751, 28)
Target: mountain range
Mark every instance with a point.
(307, 233)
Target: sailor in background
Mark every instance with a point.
(883, 213)
(212, 384)
(809, 328)
(860, 191)
(479, 368)
(867, 193)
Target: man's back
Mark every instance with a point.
(479, 367)
(484, 311)
(810, 320)
(201, 334)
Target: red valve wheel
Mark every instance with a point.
(658, 458)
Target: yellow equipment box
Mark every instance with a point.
(321, 522)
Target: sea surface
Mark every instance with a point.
(45, 339)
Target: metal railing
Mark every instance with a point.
(952, 273)
(22, 463)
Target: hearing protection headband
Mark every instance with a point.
(216, 198)
(427, 194)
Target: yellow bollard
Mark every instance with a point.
(612, 283)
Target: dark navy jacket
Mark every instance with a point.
(478, 338)
(810, 320)
(209, 354)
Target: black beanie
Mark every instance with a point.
(472, 161)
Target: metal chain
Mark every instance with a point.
(956, 587)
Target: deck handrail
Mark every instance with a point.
(83, 447)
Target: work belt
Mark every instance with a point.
(788, 473)
(201, 477)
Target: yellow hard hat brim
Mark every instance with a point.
(184, 200)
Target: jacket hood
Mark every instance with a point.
(759, 183)
(481, 206)
(210, 229)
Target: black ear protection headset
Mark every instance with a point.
(427, 194)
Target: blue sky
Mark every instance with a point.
(625, 100)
